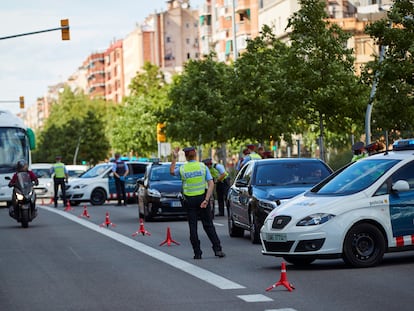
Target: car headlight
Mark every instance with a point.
(266, 205)
(315, 219)
(154, 193)
(80, 186)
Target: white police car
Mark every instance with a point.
(98, 184)
(358, 213)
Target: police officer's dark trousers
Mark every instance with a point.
(222, 187)
(120, 190)
(192, 203)
(59, 182)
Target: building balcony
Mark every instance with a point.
(205, 31)
(243, 28)
(242, 5)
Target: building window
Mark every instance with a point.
(187, 41)
(168, 39)
(188, 56)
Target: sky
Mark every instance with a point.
(31, 63)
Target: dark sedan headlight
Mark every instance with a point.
(266, 205)
(315, 219)
(154, 193)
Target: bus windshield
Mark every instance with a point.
(14, 146)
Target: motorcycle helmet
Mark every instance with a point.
(21, 165)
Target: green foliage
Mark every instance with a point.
(198, 99)
(321, 71)
(74, 121)
(393, 108)
(133, 129)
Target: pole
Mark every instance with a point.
(233, 17)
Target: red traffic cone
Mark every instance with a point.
(283, 280)
(169, 240)
(141, 229)
(85, 212)
(43, 201)
(68, 207)
(107, 221)
(51, 201)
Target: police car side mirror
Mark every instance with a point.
(400, 186)
(241, 183)
(7, 178)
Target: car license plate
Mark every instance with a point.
(176, 204)
(276, 237)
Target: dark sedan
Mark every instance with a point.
(159, 193)
(262, 185)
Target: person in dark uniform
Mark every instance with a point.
(222, 181)
(120, 170)
(196, 177)
(60, 178)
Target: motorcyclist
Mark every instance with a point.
(21, 166)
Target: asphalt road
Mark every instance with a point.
(67, 262)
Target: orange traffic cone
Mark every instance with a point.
(141, 229)
(169, 240)
(107, 221)
(283, 280)
(85, 212)
(68, 207)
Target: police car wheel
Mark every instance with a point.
(364, 246)
(98, 197)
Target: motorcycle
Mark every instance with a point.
(23, 207)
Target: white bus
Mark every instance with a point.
(16, 141)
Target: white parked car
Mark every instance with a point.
(76, 170)
(358, 213)
(45, 187)
(97, 185)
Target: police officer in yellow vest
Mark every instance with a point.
(252, 155)
(196, 177)
(222, 181)
(60, 177)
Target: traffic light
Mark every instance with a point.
(160, 133)
(64, 23)
(21, 101)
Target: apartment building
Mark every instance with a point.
(114, 72)
(95, 75)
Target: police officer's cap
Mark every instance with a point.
(208, 161)
(58, 157)
(358, 146)
(251, 146)
(187, 150)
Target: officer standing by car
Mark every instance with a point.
(196, 177)
(252, 155)
(120, 170)
(221, 180)
(60, 178)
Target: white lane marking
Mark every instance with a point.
(195, 271)
(283, 309)
(255, 298)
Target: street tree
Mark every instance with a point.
(133, 128)
(259, 92)
(326, 92)
(393, 103)
(75, 122)
(198, 98)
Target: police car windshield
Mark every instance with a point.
(96, 171)
(355, 177)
